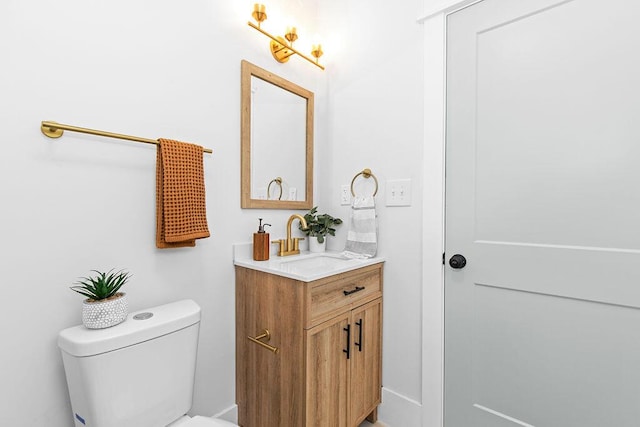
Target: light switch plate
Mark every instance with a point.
(398, 192)
(345, 195)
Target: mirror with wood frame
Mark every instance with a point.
(276, 141)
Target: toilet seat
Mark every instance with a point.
(198, 421)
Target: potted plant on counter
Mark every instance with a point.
(319, 226)
(105, 305)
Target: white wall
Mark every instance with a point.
(152, 69)
(172, 69)
(376, 118)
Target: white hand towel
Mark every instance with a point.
(362, 238)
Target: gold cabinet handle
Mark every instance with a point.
(265, 334)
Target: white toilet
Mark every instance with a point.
(139, 373)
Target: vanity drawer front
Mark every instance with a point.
(326, 299)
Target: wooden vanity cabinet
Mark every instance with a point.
(328, 335)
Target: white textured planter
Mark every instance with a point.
(105, 313)
(315, 246)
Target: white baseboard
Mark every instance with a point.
(229, 414)
(397, 410)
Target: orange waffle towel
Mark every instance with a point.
(181, 215)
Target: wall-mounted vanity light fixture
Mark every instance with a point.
(282, 47)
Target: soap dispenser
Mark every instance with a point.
(261, 243)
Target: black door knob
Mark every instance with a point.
(457, 261)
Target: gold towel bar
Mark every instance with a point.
(55, 130)
(265, 334)
(366, 173)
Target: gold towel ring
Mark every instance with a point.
(366, 173)
(278, 182)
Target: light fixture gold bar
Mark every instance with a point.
(251, 24)
(55, 130)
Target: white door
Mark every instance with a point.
(542, 325)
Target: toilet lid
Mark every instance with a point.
(199, 421)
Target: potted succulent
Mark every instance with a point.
(105, 305)
(318, 226)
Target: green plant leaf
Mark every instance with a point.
(319, 225)
(101, 286)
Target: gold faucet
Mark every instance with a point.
(291, 246)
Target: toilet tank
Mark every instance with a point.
(139, 373)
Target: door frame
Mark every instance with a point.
(433, 208)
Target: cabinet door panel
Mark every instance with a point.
(327, 370)
(269, 390)
(366, 378)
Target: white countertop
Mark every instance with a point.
(305, 267)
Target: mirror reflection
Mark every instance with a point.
(278, 131)
(277, 141)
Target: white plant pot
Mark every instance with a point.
(315, 246)
(105, 313)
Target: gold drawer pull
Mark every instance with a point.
(265, 334)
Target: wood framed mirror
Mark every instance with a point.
(276, 141)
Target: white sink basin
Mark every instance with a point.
(306, 266)
(313, 263)
(313, 266)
